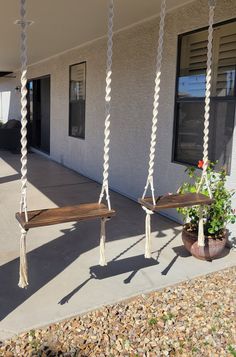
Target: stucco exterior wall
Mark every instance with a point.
(132, 91)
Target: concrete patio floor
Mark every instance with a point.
(65, 279)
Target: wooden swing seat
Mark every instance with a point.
(176, 201)
(47, 217)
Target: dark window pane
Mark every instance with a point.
(77, 100)
(189, 132)
(77, 118)
(221, 133)
(190, 102)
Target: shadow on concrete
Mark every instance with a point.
(113, 268)
(180, 251)
(9, 178)
(50, 259)
(116, 267)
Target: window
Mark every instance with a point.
(191, 81)
(77, 100)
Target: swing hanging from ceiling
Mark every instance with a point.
(153, 204)
(82, 212)
(32, 219)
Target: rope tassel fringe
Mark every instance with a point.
(102, 260)
(23, 274)
(201, 237)
(148, 243)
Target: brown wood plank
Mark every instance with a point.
(176, 201)
(47, 217)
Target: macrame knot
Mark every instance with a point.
(148, 243)
(212, 3)
(23, 232)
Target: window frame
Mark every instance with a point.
(85, 96)
(193, 99)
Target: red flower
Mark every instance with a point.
(200, 164)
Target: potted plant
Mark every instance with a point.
(216, 216)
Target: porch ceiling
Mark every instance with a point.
(63, 24)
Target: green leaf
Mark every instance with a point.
(232, 350)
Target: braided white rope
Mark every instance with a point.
(23, 49)
(23, 273)
(208, 90)
(156, 103)
(105, 185)
(212, 4)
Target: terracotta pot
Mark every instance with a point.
(213, 246)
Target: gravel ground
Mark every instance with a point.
(194, 318)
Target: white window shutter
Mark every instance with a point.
(225, 60)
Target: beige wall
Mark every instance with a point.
(132, 90)
(9, 100)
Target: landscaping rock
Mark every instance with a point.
(192, 319)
